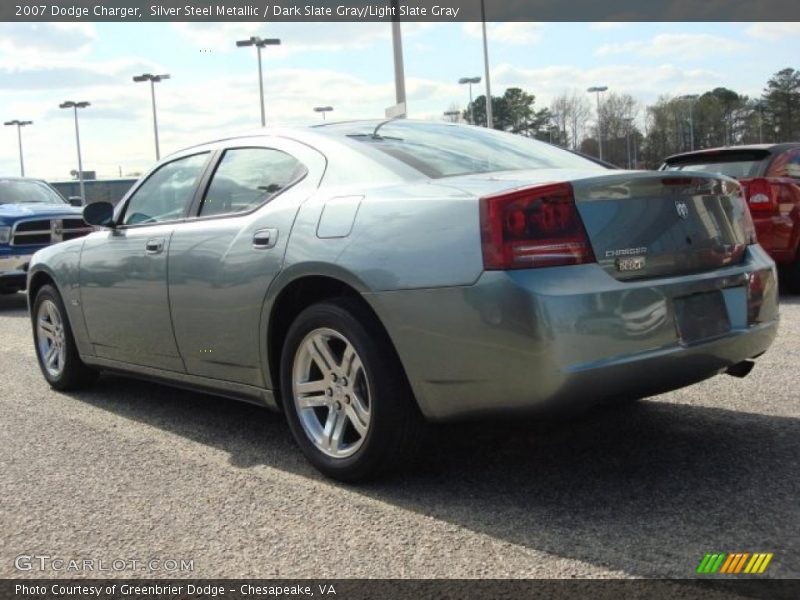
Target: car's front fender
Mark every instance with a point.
(60, 264)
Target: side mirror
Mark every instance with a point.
(75, 201)
(99, 213)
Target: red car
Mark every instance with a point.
(770, 177)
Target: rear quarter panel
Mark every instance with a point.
(404, 237)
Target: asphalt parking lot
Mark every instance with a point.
(131, 469)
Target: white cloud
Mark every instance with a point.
(642, 82)
(60, 73)
(773, 31)
(516, 34)
(607, 25)
(116, 131)
(295, 37)
(25, 40)
(677, 46)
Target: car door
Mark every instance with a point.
(123, 271)
(222, 261)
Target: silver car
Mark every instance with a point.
(365, 277)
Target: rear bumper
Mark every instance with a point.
(522, 340)
(778, 235)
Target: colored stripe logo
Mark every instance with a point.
(735, 563)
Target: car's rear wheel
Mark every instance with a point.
(58, 356)
(345, 395)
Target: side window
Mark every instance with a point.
(786, 165)
(167, 193)
(248, 177)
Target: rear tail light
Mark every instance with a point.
(755, 296)
(533, 227)
(761, 196)
(749, 227)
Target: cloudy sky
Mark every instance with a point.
(214, 90)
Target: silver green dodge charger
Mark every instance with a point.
(365, 277)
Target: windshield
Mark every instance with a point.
(20, 191)
(445, 150)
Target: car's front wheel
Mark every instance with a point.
(345, 395)
(55, 347)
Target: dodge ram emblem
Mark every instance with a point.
(682, 209)
(56, 231)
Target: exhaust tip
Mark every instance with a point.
(741, 369)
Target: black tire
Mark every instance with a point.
(73, 374)
(791, 276)
(395, 427)
(621, 401)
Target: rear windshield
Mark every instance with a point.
(18, 191)
(444, 150)
(736, 165)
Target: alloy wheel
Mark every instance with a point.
(51, 339)
(331, 393)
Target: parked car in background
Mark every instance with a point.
(365, 276)
(770, 177)
(32, 216)
(96, 190)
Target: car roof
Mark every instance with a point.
(768, 148)
(281, 130)
(310, 131)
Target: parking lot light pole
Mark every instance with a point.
(323, 110)
(153, 79)
(19, 124)
(628, 126)
(598, 90)
(75, 106)
(259, 43)
(489, 114)
(469, 81)
(691, 98)
(399, 66)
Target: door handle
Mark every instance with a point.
(263, 239)
(154, 246)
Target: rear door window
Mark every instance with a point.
(246, 178)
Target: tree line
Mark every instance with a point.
(642, 136)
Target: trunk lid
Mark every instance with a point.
(645, 224)
(659, 224)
